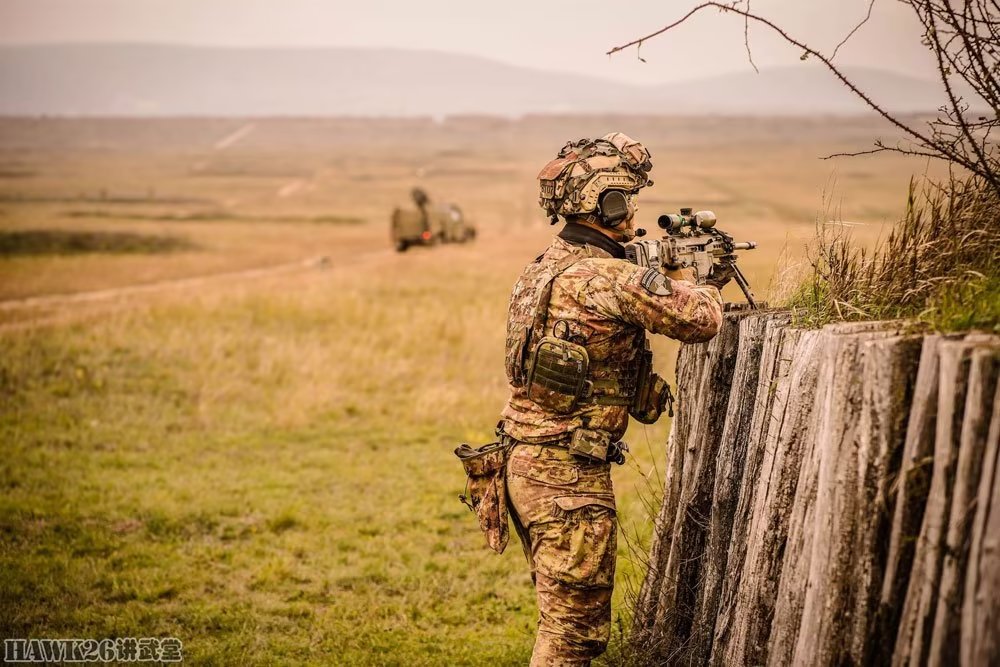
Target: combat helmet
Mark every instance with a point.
(573, 183)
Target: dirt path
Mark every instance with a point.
(56, 309)
(232, 138)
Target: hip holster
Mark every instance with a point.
(486, 489)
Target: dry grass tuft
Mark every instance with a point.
(72, 242)
(940, 265)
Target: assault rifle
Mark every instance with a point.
(692, 241)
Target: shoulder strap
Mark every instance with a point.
(528, 311)
(545, 295)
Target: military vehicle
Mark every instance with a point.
(429, 224)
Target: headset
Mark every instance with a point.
(614, 207)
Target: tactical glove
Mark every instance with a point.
(721, 275)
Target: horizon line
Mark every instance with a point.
(463, 54)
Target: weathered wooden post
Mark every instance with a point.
(755, 558)
(736, 435)
(980, 637)
(930, 624)
(802, 465)
(911, 486)
(675, 604)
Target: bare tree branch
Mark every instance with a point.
(788, 38)
(856, 28)
(879, 148)
(662, 30)
(956, 101)
(746, 39)
(964, 38)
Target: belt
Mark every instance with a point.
(616, 450)
(561, 440)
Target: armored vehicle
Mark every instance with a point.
(429, 224)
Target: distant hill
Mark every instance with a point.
(161, 80)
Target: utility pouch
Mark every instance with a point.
(486, 486)
(652, 393)
(557, 375)
(527, 313)
(591, 444)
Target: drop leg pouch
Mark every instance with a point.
(486, 489)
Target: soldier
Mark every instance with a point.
(578, 364)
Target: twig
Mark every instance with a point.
(872, 151)
(856, 28)
(879, 148)
(746, 39)
(634, 42)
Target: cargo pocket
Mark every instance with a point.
(546, 471)
(585, 541)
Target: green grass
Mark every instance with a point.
(269, 478)
(939, 266)
(125, 513)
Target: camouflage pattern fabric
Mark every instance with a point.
(564, 507)
(608, 305)
(567, 510)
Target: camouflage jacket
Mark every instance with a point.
(609, 304)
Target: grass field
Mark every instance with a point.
(262, 467)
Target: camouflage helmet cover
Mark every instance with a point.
(572, 183)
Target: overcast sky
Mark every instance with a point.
(561, 35)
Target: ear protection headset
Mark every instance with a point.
(613, 208)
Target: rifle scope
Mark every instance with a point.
(674, 223)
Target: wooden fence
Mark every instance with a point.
(831, 498)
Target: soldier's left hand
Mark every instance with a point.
(721, 275)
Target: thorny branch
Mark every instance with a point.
(882, 148)
(965, 41)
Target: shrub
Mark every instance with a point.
(940, 265)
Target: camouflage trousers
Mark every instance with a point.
(564, 510)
